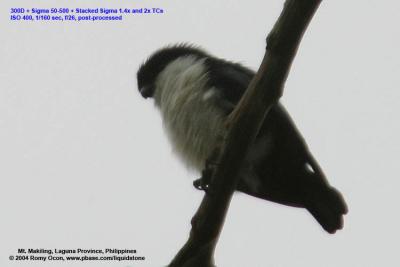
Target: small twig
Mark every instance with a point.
(243, 124)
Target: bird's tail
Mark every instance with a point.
(325, 202)
(328, 207)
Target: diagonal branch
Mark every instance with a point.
(243, 124)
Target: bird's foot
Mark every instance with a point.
(204, 182)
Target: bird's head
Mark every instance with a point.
(155, 64)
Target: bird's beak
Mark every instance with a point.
(146, 91)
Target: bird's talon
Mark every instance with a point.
(203, 183)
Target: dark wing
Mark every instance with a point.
(230, 79)
(285, 170)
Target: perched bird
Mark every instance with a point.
(195, 92)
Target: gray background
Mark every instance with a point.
(84, 161)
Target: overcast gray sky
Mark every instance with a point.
(84, 161)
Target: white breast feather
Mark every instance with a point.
(190, 115)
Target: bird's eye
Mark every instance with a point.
(309, 168)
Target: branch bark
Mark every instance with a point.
(242, 127)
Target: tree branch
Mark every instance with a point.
(242, 127)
